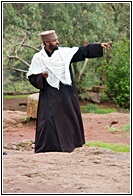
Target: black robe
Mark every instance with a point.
(59, 125)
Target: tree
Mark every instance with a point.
(73, 22)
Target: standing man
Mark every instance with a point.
(59, 125)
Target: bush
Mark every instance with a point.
(118, 74)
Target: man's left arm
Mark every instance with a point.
(90, 51)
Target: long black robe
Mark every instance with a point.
(59, 124)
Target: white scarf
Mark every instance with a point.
(57, 65)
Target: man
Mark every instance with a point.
(59, 125)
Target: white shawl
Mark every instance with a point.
(57, 65)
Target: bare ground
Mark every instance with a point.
(85, 170)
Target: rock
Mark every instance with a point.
(97, 89)
(113, 122)
(94, 97)
(97, 171)
(32, 104)
(13, 118)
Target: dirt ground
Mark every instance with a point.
(85, 170)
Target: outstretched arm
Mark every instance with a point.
(90, 51)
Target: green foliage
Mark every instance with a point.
(103, 96)
(73, 22)
(115, 147)
(91, 108)
(19, 85)
(24, 16)
(118, 74)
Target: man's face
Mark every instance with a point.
(53, 45)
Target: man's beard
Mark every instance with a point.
(52, 48)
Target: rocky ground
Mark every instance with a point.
(85, 170)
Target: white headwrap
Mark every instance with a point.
(57, 65)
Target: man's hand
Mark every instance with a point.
(45, 74)
(106, 45)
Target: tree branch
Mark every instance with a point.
(32, 47)
(83, 69)
(18, 58)
(85, 63)
(21, 70)
(21, 44)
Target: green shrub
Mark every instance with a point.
(118, 74)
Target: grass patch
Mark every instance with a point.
(112, 129)
(26, 119)
(96, 110)
(126, 128)
(115, 147)
(15, 96)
